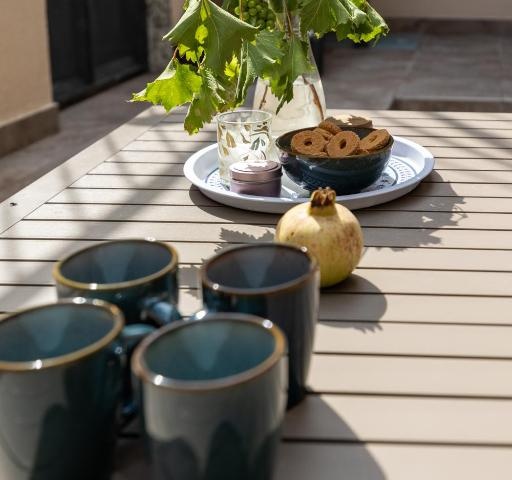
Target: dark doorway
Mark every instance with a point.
(94, 43)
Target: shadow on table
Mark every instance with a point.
(398, 226)
(318, 439)
(229, 238)
(354, 303)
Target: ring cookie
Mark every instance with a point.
(329, 127)
(308, 143)
(343, 144)
(327, 135)
(375, 140)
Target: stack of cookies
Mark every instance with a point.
(328, 139)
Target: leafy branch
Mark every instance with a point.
(220, 51)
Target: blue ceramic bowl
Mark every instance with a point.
(345, 175)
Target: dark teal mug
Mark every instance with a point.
(214, 396)
(60, 383)
(140, 276)
(275, 281)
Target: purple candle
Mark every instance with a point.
(262, 178)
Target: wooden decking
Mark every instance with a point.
(412, 372)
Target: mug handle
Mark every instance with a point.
(130, 337)
(159, 311)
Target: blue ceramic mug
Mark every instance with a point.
(275, 281)
(214, 396)
(60, 382)
(140, 276)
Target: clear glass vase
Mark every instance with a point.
(306, 109)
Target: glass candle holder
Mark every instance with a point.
(243, 135)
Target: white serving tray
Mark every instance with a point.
(409, 164)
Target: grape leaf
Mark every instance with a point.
(322, 16)
(225, 36)
(216, 95)
(355, 10)
(176, 85)
(225, 55)
(372, 28)
(258, 59)
(246, 76)
(343, 30)
(232, 68)
(230, 5)
(206, 28)
(265, 52)
(184, 32)
(294, 63)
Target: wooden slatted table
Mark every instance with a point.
(412, 372)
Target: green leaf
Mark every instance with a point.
(184, 32)
(176, 85)
(225, 36)
(372, 29)
(354, 9)
(258, 59)
(207, 28)
(265, 52)
(231, 69)
(365, 23)
(225, 55)
(343, 31)
(214, 96)
(230, 5)
(246, 76)
(294, 63)
(322, 16)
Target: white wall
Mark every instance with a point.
(25, 84)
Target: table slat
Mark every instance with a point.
(487, 190)
(194, 197)
(470, 176)
(226, 232)
(341, 307)
(362, 281)
(404, 339)
(219, 214)
(152, 182)
(406, 131)
(370, 374)
(304, 461)
(171, 169)
(370, 419)
(373, 257)
(453, 162)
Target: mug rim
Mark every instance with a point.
(274, 289)
(143, 372)
(71, 357)
(105, 287)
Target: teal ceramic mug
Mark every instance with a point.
(214, 396)
(60, 382)
(271, 280)
(140, 276)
